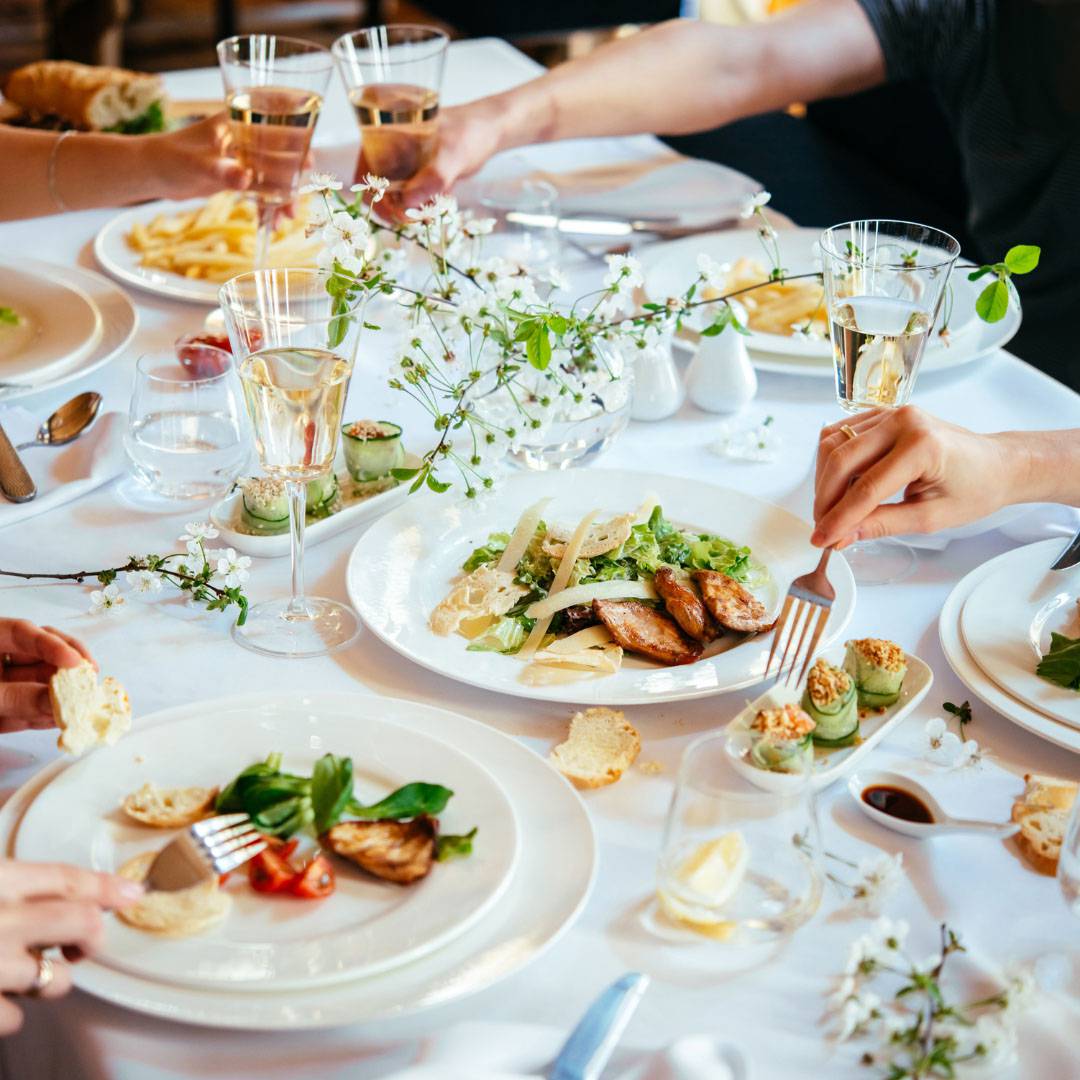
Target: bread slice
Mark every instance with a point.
(169, 808)
(1042, 812)
(600, 746)
(88, 714)
(173, 914)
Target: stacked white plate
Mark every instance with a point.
(372, 949)
(995, 627)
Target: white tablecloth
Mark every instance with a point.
(1004, 911)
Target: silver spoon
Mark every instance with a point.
(942, 822)
(68, 422)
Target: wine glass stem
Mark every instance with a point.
(264, 231)
(297, 512)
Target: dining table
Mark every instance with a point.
(772, 1009)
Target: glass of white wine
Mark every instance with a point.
(393, 75)
(885, 282)
(297, 357)
(274, 90)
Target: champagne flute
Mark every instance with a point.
(393, 75)
(274, 89)
(884, 285)
(298, 356)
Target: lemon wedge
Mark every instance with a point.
(711, 874)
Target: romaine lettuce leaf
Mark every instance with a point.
(506, 635)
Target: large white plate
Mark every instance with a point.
(830, 765)
(402, 567)
(58, 325)
(367, 925)
(539, 906)
(115, 311)
(971, 675)
(1007, 621)
(669, 268)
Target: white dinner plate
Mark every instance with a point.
(115, 311)
(539, 906)
(364, 927)
(973, 677)
(670, 268)
(57, 325)
(1007, 621)
(404, 565)
(832, 764)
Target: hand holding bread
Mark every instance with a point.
(29, 657)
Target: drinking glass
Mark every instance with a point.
(298, 356)
(738, 864)
(1069, 863)
(526, 213)
(274, 89)
(393, 75)
(186, 436)
(884, 285)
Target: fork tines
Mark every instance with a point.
(806, 593)
(204, 850)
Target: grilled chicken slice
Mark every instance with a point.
(684, 606)
(730, 604)
(399, 851)
(646, 630)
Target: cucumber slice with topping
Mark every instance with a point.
(372, 448)
(265, 504)
(878, 668)
(321, 493)
(780, 756)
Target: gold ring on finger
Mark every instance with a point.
(849, 431)
(44, 977)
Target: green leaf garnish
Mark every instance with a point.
(1061, 663)
(1023, 258)
(409, 801)
(453, 846)
(992, 303)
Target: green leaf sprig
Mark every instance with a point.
(1061, 662)
(993, 302)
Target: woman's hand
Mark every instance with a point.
(44, 905)
(949, 476)
(29, 657)
(192, 161)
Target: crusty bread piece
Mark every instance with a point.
(169, 808)
(173, 914)
(88, 714)
(88, 98)
(600, 746)
(1042, 812)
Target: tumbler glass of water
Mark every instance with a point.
(186, 436)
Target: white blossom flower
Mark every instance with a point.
(878, 877)
(847, 988)
(106, 601)
(422, 215)
(376, 185)
(345, 235)
(232, 569)
(143, 582)
(940, 745)
(474, 227)
(319, 182)
(1021, 992)
(856, 1013)
(880, 945)
(753, 203)
(445, 206)
(714, 274)
(624, 273)
(199, 530)
(555, 278)
(970, 754)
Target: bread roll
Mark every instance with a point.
(601, 745)
(87, 98)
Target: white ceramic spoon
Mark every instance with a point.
(943, 823)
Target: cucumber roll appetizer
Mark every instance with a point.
(264, 506)
(372, 449)
(830, 701)
(321, 494)
(878, 668)
(783, 736)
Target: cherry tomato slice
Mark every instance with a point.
(316, 880)
(268, 872)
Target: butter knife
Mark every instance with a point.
(15, 481)
(1070, 556)
(592, 1042)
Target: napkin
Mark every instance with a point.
(67, 472)
(488, 1051)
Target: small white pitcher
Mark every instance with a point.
(720, 378)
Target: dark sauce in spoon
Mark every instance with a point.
(897, 803)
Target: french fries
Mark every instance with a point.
(217, 241)
(781, 308)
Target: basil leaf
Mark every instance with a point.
(1023, 258)
(331, 790)
(409, 801)
(1061, 663)
(993, 302)
(454, 847)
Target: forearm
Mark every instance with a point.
(686, 75)
(1041, 466)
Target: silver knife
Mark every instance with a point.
(593, 1041)
(589, 224)
(1070, 556)
(15, 481)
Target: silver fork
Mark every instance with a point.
(811, 591)
(204, 850)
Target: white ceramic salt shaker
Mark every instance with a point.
(720, 378)
(658, 393)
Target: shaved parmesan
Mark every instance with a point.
(486, 591)
(548, 668)
(586, 594)
(562, 576)
(523, 533)
(590, 637)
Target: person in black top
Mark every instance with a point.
(1005, 73)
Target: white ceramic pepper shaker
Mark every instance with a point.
(658, 393)
(720, 378)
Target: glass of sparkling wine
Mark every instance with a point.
(274, 89)
(298, 356)
(885, 282)
(393, 75)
